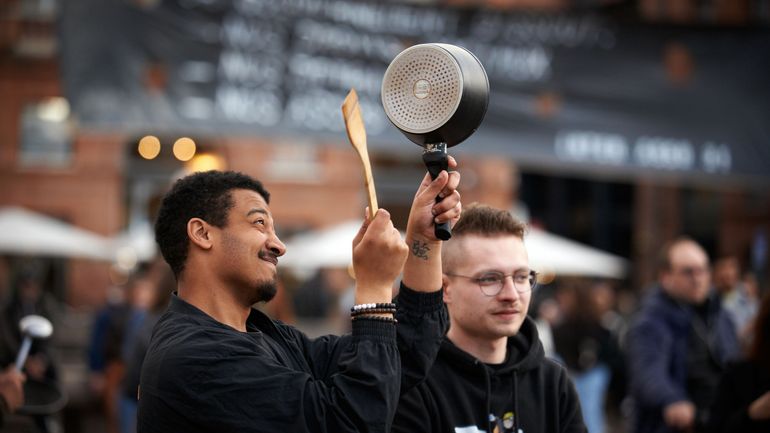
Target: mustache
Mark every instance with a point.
(268, 256)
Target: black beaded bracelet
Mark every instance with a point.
(372, 305)
(373, 311)
(376, 318)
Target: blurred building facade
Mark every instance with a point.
(96, 179)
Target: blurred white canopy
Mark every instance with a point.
(549, 253)
(331, 247)
(28, 233)
(133, 245)
(328, 247)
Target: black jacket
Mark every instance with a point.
(658, 344)
(202, 376)
(462, 394)
(742, 383)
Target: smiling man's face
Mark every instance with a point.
(248, 247)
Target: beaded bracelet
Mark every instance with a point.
(375, 318)
(372, 305)
(373, 311)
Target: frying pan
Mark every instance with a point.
(437, 96)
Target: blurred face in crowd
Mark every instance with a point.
(141, 292)
(476, 263)
(688, 278)
(726, 274)
(30, 292)
(249, 247)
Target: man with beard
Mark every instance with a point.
(216, 364)
(491, 374)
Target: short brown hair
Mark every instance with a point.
(483, 220)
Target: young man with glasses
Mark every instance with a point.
(491, 374)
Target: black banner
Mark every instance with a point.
(567, 91)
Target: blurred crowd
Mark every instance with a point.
(679, 354)
(99, 393)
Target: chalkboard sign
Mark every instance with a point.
(572, 89)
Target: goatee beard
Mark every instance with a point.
(265, 291)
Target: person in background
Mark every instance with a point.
(678, 344)
(491, 374)
(548, 316)
(588, 349)
(156, 284)
(109, 339)
(742, 404)
(604, 297)
(737, 299)
(30, 297)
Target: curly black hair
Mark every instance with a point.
(205, 195)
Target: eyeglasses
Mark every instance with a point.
(693, 271)
(491, 283)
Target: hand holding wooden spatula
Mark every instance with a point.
(354, 124)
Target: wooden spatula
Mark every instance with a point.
(354, 124)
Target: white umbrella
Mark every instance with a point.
(331, 247)
(28, 233)
(135, 244)
(550, 253)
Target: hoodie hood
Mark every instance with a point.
(526, 393)
(525, 352)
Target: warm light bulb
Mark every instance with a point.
(184, 149)
(205, 162)
(149, 147)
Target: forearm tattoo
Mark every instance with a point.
(420, 250)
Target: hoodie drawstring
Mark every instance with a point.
(488, 402)
(516, 401)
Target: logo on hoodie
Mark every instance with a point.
(503, 424)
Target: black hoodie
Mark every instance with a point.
(527, 393)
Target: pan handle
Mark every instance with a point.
(436, 160)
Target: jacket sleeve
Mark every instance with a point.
(649, 356)
(570, 414)
(414, 413)
(422, 323)
(235, 385)
(355, 380)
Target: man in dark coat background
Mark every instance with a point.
(678, 344)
